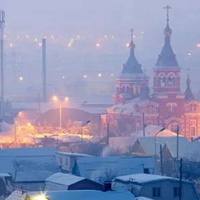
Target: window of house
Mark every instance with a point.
(156, 192)
(60, 160)
(66, 161)
(176, 191)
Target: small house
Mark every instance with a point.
(29, 167)
(105, 169)
(155, 187)
(81, 195)
(60, 181)
(66, 160)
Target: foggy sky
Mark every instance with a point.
(95, 19)
(91, 16)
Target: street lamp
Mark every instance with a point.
(56, 99)
(82, 125)
(162, 129)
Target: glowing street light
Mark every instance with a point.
(82, 125)
(56, 99)
(39, 197)
(155, 136)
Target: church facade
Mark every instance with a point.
(134, 107)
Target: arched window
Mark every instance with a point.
(192, 131)
(162, 81)
(171, 81)
(123, 89)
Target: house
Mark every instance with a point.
(149, 146)
(60, 181)
(6, 186)
(124, 143)
(29, 167)
(155, 186)
(66, 160)
(102, 169)
(81, 195)
(74, 195)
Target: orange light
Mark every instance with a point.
(55, 98)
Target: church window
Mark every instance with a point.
(193, 108)
(123, 89)
(162, 81)
(192, 131)
(171, 81)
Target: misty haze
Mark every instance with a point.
(99, 100)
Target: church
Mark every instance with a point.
(135, 108)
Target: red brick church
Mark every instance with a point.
(167, 105)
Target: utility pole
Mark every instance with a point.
(2, 25)
(143, 125)
(161, 160)
(177, 143)
(107, 133)
(44, 73)
(180, 179)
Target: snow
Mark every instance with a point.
(143, 178)
(28, 164)
(32, 151)
(142, 198)
(148, 143)
(72, 154)
(64, 179)
(102, 169)
(17, 195)
(84, 195)
(5, 175)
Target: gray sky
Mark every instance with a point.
(91, 16)
(94, 19)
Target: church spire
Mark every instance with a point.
(188, 92)
(132, 66)
(167, 58)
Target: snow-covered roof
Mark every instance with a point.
(122, 143)
(84, 195)
(143, 178)
(102, 169)
(29, 168)
(72, 154)
(17, 195)
(151, 130)
(128, 107)
(31, 151)
(143, 198)
(148, 144)
(64, 179)
(4, 175)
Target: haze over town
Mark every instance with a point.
(74, 29)
(99, 100)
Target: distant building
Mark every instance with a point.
(155, 187)
(135, 107)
